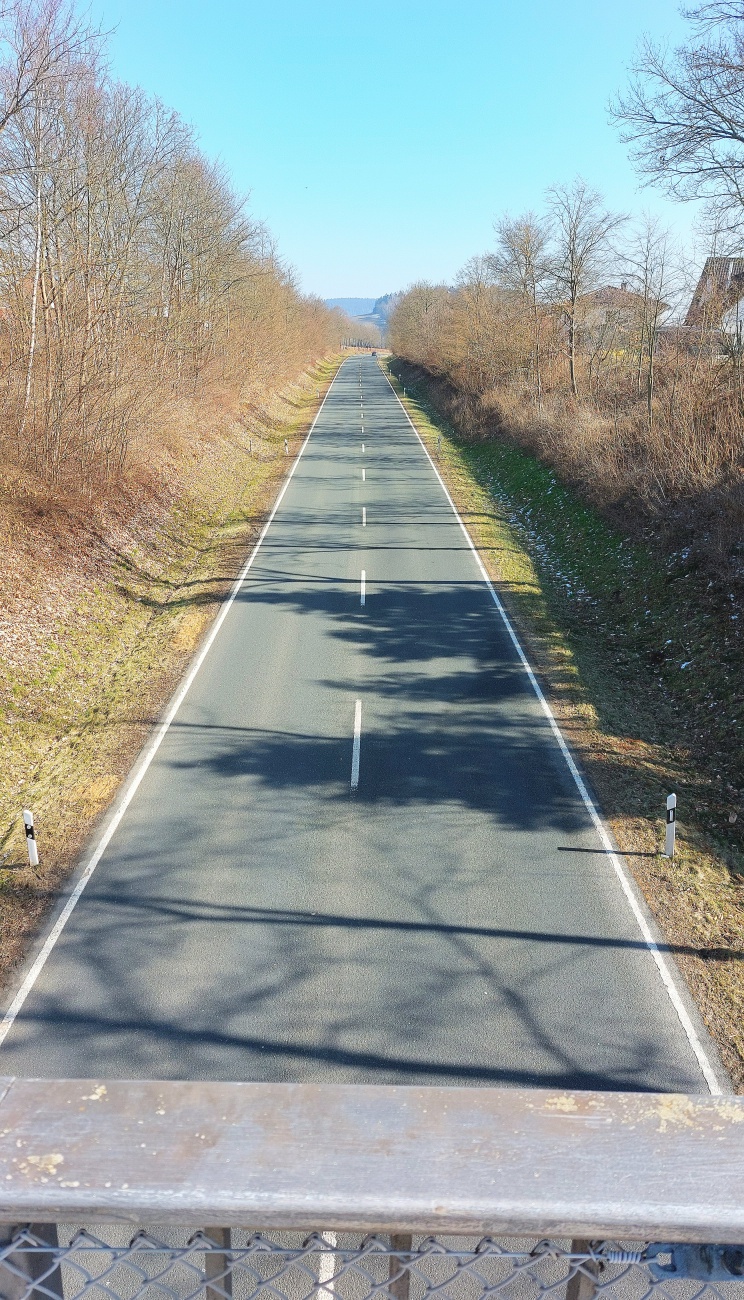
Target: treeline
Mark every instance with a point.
(131, 275)
(578, 333)
(571, 354)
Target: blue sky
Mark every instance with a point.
(379, 141)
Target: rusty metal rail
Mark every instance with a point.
(355, 1192)
(373, 1159)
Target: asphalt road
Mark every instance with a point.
(454, 919)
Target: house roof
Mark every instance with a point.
(720, 286)
(611, 296)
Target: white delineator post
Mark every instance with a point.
(671, 825)
(33, 851)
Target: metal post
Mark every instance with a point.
(582, 1284)
(218, 1267)
(33, 1272)
(671, 825)
(33, 852)
(399, 1276)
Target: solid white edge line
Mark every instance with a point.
(620, 870)
(363, 592)
(357, 744)
(38, 965)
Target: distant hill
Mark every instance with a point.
(372, 311)
(381, 312)
(352, 306)
(385, 306)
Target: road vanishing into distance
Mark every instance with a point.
(359, 854)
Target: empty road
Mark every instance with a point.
(359, 854)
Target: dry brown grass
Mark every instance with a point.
(681, 479)
(653, 434)
(625, 726)
(104, 605)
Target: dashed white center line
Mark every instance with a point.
(357, 744)
(327, 1267)
(364, 475)
(364, 516)
(362, 448)
(363, 592)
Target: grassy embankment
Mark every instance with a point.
(105, 609)
(609, 626)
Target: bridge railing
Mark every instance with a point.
(147, 1191)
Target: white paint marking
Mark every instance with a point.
(362, 448)
(133, 785)
(357, 740)
(620, 870)
(364, 516)
(364, 475)
(363, 592)
(327, 1266)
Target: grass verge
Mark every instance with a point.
(74, 716)
(631, 657)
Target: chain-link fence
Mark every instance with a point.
(220, 1264)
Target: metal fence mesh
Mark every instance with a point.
(175, 1264)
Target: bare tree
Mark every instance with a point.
(419, 326)
(130, 272)
(650, 268)
(39, 42)
(489, 338)
(522, 263)
(683, 112)
(583, 230)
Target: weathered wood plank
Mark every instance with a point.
(469, 1160)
